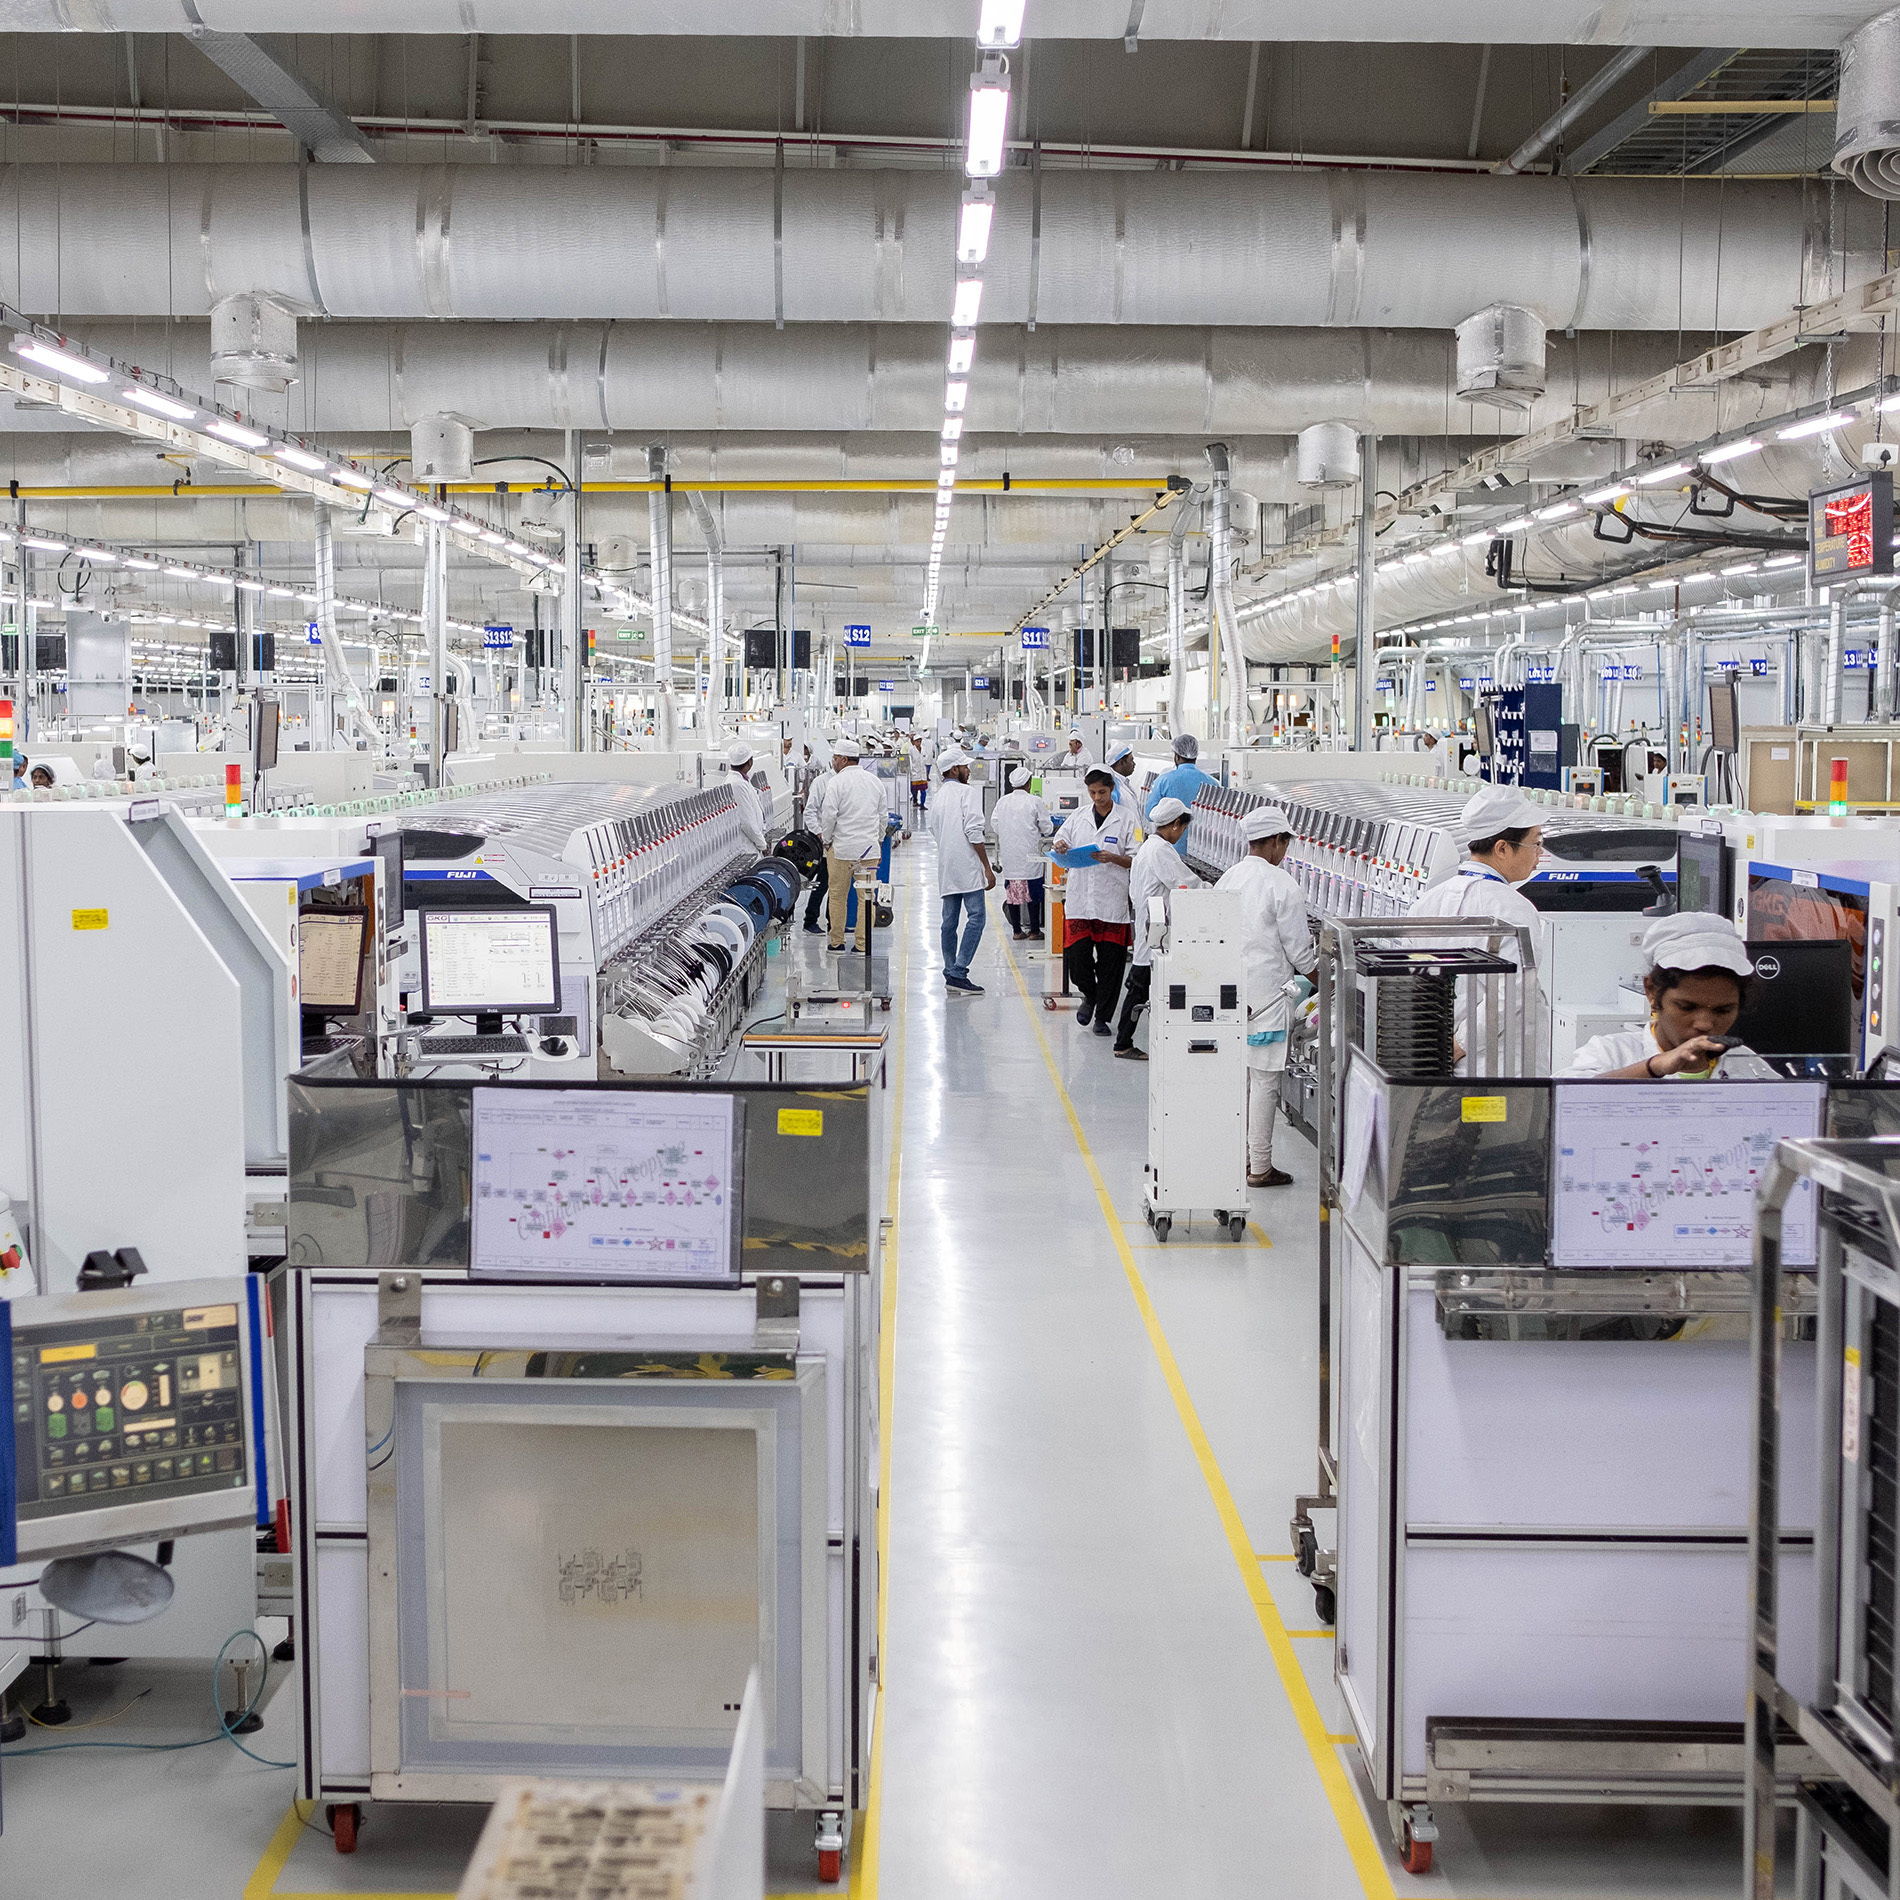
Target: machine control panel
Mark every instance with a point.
(128, 1407)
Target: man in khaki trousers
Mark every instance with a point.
(852, 827)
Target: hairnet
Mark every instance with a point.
(1020, 777)
(1695, 940)
(1119, 752)
(1166, 811)
(1265, 821)
(846, 749)
(739, 753)
(1496, 808)
(951, 757)
(1100, 772)
(1186, 746)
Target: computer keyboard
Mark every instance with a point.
(327, 1045)
(442, 1048)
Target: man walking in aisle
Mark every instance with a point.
(955, 820)
(852, 827)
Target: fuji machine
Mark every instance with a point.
(1197, 1074)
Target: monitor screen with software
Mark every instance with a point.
(330, 946)
(483, 961)
(1725, 725)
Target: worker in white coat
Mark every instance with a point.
(1022, 825)
(1096, 921)
(745, 795)
(1277, 947)
(811, 817)
(1159, 871)
(1500, 830)
(964, 876)
(1696, 975)
(852, 827)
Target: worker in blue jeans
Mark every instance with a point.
(964, 876)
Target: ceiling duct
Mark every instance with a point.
(1329, 248)
(441, 449)
(1501, 356)
(253, 342)
(1328, 455)
(1867, 125)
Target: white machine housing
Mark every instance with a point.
(1197, 1060)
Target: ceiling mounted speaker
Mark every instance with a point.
(1328, 455)
(1867, 119)
(1501, 356)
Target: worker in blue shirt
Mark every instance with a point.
(1182, 780)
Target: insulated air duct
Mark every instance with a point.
(253, 342)
(1412, 250)
(1501, 357)
(1867, 124)
(1328, 455)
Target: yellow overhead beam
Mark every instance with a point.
(1683, 108)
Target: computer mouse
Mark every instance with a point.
(553, 1046)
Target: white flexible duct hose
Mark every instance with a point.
(1221, 593)
(660, 547)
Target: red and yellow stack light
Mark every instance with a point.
(6, 728)
(1837, 788)
(233, 787)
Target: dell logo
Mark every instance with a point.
(1768, 968)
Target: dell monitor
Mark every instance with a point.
(490, 963)
(1801, 1000)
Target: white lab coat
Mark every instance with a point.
(745, 799)
(1621, 1050)
(1158, 870)
(1277, 945)
(815, 797)
(1097, 892)
(1475, 890)
(1022, 822)
(852, 822)
(955, 820)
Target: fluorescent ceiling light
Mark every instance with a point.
(251, 587)
(1667, 473)
(518, 547)
(183, 573)
(139, 560)
(101, 556)
(221, 580)
(952, 429)
(948, 479)
(962, 354)
(1601, 497)
(969, 299)
(1515, 527)
(430, 512)
(237, 432)
(988, 122)
(394, 497)
(1786, 560)
(298, 458)
(280, 593)
(41, 541)
(493, 539)
(1557, 511)
(159, 405)
(1000, 23)
(1602, 593)
(1741, 567)
(349, 478)
(955, 395)
(973, 228)
(49, 358)
(1728, 452)
(1482, 534)
(1815, 425)
(309, 600)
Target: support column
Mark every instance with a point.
(1364, 666)
(435, 626)
(573, 622)
(660, 553)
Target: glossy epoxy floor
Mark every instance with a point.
(1103, 1678)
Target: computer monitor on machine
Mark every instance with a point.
(331, 945)
(490, 963)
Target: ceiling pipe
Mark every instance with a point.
(1579, 102)
(1336, 249)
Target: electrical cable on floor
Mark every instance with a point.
(98, 1721)
(224, 1733)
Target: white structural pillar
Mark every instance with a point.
(1364, 665)
(715, 613)
(573, 617)
(1226, 622)
(660, 550)
(435, 623)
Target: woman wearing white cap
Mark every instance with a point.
(1696, 974)
(1159, 870)
(1096, 920)
(1022, 822)
(745, 796)
(1277, 946)
(1500, 830)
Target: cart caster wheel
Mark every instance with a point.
(831, 1863)
(1326, 1607)
(829, 1843)
(1305, 1553)
(1237, 1227)
(1417, 1857)
(1163, 1226)
(345, 1818)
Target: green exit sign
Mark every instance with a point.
(925, 633)
(629, 633)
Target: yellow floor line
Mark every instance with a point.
(1314, 1634)
(860, 1882)
(1273, 1556)
(1364, 1850)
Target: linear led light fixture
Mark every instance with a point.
(349, 478)
(1667, 473)
(45, 544)
(183, 573)
(1602, 497)
(245, 438)
(1556, 511)
(968, 301)
(1815, 425)
(142, 561)
(430, 512)
(962, 354)
(985, 139)
(1786, 560)
(1516, 526)
(1713, 458)
(394, 498)
(160, 405)
(1741, 567)
(1481, 534)
(299, 458)
(952, 429)
(64, 361)
(1000, 23)
(956, 394)
(974, 219)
